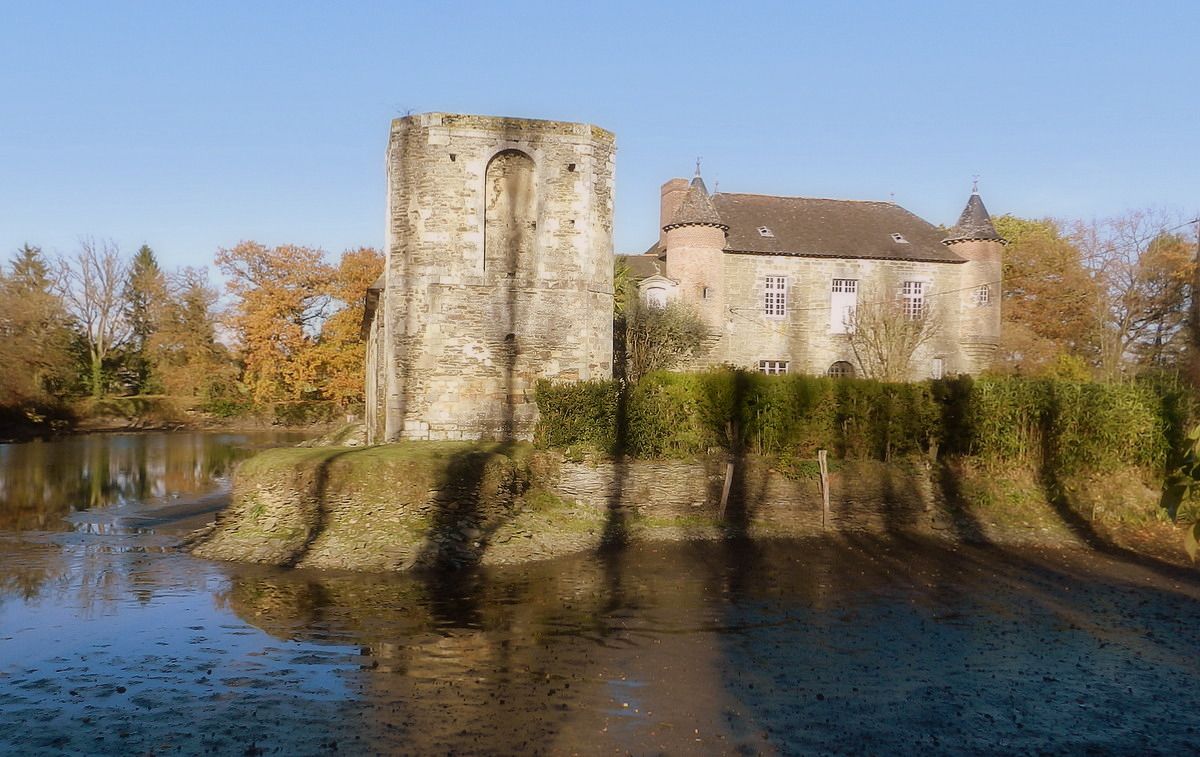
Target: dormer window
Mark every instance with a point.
(899, 238)
(763, 231)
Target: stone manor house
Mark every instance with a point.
(499, 262)
(780, 280)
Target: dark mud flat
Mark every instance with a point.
(847, 644)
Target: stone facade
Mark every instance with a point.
(498, 273)
(783, 282)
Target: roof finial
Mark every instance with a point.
(698, 165)
(975, 184)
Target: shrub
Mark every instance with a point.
(305, 413)
(582, 412)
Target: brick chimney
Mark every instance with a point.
(672, 197)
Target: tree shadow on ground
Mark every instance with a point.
(1056, 490)
(617, 515)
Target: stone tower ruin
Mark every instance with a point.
(498, 273)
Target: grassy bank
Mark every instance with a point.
(389, 507)
(437, 505)
(1000, 460)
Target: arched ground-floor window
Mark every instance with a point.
(841, 369)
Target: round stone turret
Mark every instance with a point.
(695, 241)
(975, 238)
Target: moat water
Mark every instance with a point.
(112, 641)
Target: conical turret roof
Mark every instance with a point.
(974, 224)
(697, 208)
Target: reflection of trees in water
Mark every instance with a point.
(95, 580)
(28, 568)
(41, 482)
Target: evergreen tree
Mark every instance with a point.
(145, 288)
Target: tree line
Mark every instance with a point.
(1107, 299)
(98, 323)
(1101, 300)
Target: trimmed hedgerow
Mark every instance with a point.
(1068, 426)
(1074, 425)
(578, 413)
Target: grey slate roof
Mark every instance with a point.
(643, 266)
(696, 208)
(812, 227)
(974, 223)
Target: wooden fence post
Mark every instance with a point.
(823, 462)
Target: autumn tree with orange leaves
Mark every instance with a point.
(281, 295)
(297, 320)
(340, 352)
(1106, 299)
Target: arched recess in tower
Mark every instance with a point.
(510, 214)
(510, 239)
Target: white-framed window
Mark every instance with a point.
(913, 293)
(843, 299)
(775, 297)
(899, 238)
(938, 369)
(983, 295)
(773, 367)
(763, 231)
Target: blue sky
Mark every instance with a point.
(191, 126)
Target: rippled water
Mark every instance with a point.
(113, 642)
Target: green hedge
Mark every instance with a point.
(1068, 425)
(1075, 425)
(581, 412)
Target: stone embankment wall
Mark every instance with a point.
(863, 495)
(427, 506)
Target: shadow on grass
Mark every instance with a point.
(319, 516)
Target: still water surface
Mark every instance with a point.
(114, 642)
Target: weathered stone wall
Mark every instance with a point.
(390, 507)
(499, 272)
(804, 337)
(863, 495)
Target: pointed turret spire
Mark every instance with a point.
(697, 208)
(974, 223)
